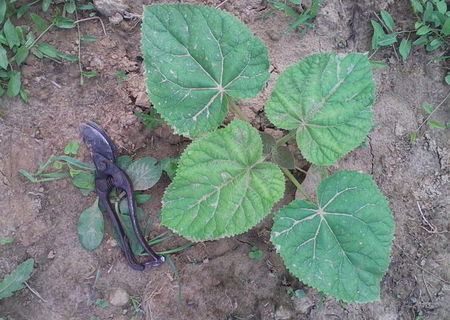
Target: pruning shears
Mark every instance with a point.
(107, 176)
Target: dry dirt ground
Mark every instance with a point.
(217, 280)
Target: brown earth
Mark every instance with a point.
(217, 280)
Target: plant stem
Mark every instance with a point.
(238, 111)
(435, 109)
(297, 184)
(184, 246)
(286, 138)
(79, 50)
(42, 33)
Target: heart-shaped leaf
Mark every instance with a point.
(195, 57)
(144, 173)
(90, 227)
(222, 185)
(327, 99)
(341, 245)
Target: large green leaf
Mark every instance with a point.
(195, 57)
(223, 186)
(327, 99)
(341, 245)
(90, 227)
(14, 281)
(144, 173)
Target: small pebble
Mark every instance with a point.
(119, 297)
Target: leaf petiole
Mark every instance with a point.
(297, 184)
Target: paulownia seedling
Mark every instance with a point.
(198, 62)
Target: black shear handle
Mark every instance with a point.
(113, 176)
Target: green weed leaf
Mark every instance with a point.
(11, 35)
(88, 38)
(14, 84)
(3, 58)
(84, 180)
(6, 240)
(71, 147)
(378, 33)
(39, 22)
(327, 98)
(64, 23)
(388, 20)
(48, 50)
(268, 142)
(90, 227)
(446, 27)
(423, 30)
(123, 162)
(14, 281)
(404, 48)
(144, 173)
(283, 157)
(195, 58)
(436, 124)
(221, 188)
(89, 74)
(46, 4)
(169, 165)
(21, 55)
(2, 10)
(427, 107)
(255, 253)
(341, 245)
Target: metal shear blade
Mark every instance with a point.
(108, 176)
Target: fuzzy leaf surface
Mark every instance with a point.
(341, 245)
(327, 98)
(194, 58)
(14, 280)
(222, 186)
(144, 173)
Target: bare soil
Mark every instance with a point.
(217, 280)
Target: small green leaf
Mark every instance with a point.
(436, 124)
(123, 162)
(388, 20)
(427, 107)
(423, 30)
(39, 22)
(23, 93)
(11, 35)
(169, 165)
(446, 27)
(442, 6)
(90, 227)
(121, 75)
(412, 137)
(101, 303)
(71, 147)
(141, 198)
(378, 64)
(151, 119)
(84, 180)
(88, 38)
(327, 99)
(387, 39)
(86, 6)
(22, 10)
(404, 48)
(14, 280)
(255, 253)
(21, 55)
(268, 142)
(66, 56)
(70, 6)
(417, 6)
(2, 10)
(144, 173)
(64, 23)
(195, 59)
(6, 240)
(428, 12)
(221, 188)
(283, 157)
(36, 52)
(434, 44)
(341, 246)
(128, 227)
(421, 40)
(3, 58)
(48, 50)
(89, 74)
(46, 4)
(14, 84)
(27, 175)
(447, 79)
(378, 33)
